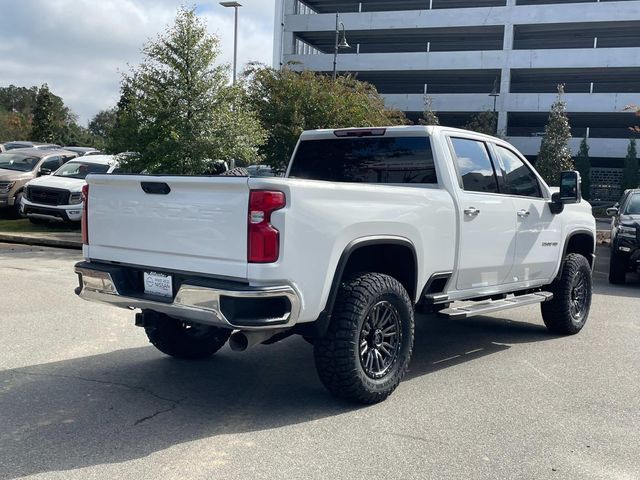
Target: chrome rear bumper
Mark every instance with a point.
(196, 303)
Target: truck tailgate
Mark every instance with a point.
(200, 225)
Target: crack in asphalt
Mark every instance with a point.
(138, 388)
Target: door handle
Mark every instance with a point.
(471, 212)
(524, 213)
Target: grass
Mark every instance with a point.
(23, 225)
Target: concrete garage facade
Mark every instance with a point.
(458, 50)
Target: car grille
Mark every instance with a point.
(48, 196)
(4, 186)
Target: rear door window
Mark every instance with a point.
(390, 160)
(474, 165)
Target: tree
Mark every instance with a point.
(44, 128)
(176, 109)
(583, 165)
(288, 102)
(630, 176)
(18, 99)
(14, 126)
(103, 122)
(555, 155)
(483, 122)
(428, 116)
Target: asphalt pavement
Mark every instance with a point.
(83, 395)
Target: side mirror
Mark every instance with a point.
(612, 211)
(570, 187)
(570, 191)
(44, 171)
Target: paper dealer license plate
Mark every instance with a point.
(158, 284)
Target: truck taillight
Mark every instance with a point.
(264, 238)
(85, 210)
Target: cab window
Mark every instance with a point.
(474, 166)
(518, 178)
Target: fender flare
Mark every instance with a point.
(565, 247)
(319, 327)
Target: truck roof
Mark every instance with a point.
(403, 130)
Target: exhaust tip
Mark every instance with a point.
(239, 342)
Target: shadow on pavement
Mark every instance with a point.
(127, 404)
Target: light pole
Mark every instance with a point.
(338, 45)
(494, 93)
(235, 6)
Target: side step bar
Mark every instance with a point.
(492, 306)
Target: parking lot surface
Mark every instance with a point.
(83, 395)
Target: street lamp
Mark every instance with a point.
(339, 44)
(494, 93)
(234, 5)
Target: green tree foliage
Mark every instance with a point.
(429, 117)
(555, 155)
(583, 165)
(14, 126)
(483, 122)
(176, 109)
(18, 99)
(630, 175)
(44, 126)
(288, 102)
(103, 122)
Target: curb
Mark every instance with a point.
(40, 241)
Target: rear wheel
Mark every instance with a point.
(617, 269)
(180, 339)
(567, 313)
(367, 348)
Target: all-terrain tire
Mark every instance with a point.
(343, 368)
(236, 172)
(617, 269)
(567, 313)
(182, 340)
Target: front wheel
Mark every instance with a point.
(567, 313)
(184, 340)
(367, 348)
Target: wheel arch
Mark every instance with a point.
(582, 242)
(365, 254)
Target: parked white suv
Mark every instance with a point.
(59, 196)
(367, 226)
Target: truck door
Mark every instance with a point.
(487, 227)
(539, 232)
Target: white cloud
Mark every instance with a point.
(79, 47)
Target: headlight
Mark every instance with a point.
(627, 231)
(75, 198)
(6, 186)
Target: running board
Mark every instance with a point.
(492, 306)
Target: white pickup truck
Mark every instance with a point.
(367, 226)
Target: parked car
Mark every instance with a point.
(625, 236)
(36, 145)
(368, 225)
(59, 196)
(82, 151)
(19, 166)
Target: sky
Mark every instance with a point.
(80, 47)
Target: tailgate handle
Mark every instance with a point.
(155, 188)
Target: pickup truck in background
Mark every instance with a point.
(367, 226)
(58, 196)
